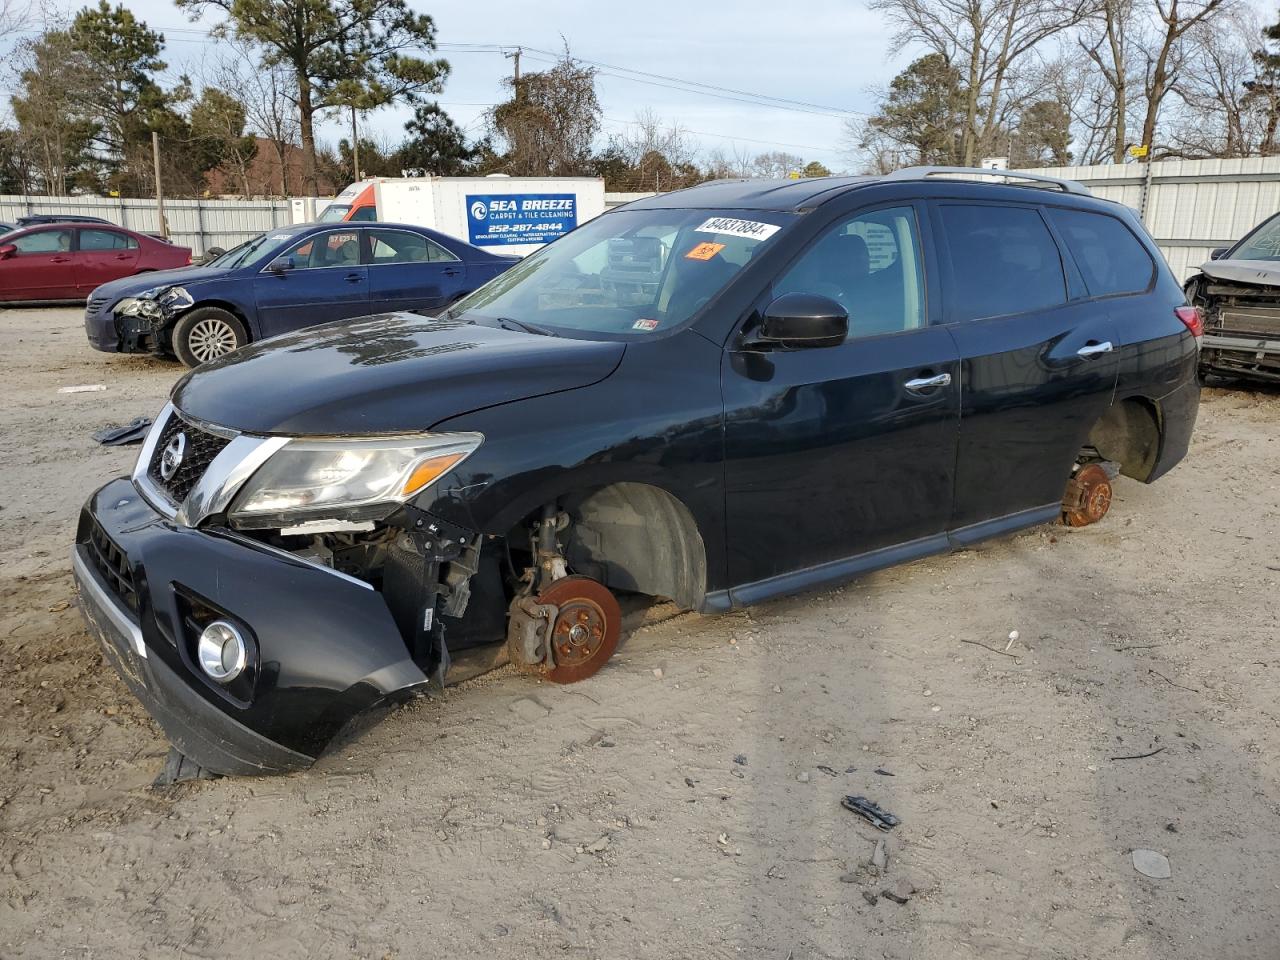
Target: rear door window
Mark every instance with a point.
(1004, 261)
(106, 240)
(1109, 256)
(401, 246)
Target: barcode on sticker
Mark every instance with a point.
(747, 229)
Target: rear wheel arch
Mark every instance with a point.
(1129, 433)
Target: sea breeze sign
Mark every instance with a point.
(495, 220)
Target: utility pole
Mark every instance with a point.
(514, 56)
(355, 146)
(155, 156)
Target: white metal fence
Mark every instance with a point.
(198, 224)
(1189, 206)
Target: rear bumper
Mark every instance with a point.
(1178, 412)
(324, 648)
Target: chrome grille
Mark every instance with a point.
(201, 448)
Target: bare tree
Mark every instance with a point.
(1217, 117)
(14, 17)
(1176, 19)
(985, 40)
(269, 95)
(1108, 39)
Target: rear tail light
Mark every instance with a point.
(190, 261)
(1193, 318)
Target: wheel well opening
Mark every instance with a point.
(221, 305)
(638, 538)
(1129, 434)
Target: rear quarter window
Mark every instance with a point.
(1111, 259)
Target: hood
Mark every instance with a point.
(386, 374)
(132, 286)
(1264, 272)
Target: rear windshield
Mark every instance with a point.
(628, 273)
(1262, 244)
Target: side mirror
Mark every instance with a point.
(280, 264)
(803, 320)
(8, 250)
(1217, 253)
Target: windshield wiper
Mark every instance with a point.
(509, 323)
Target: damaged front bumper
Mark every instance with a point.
(324, 648)
(1242, 328)
(134, 324)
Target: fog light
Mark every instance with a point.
(221, 651)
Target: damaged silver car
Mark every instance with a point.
(1238, 292)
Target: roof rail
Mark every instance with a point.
(924, 173)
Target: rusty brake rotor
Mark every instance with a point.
(1087, 497)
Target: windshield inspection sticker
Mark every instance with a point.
(704, 251)
(748, 229)
(645, 325)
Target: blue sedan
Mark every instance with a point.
(286, 279)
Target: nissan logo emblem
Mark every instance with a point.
(171, 457)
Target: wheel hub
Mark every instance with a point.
(1088, 496)
(584, 633)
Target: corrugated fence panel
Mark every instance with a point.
(1190, 206)
(198, 224)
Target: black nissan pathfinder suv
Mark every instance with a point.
(718, 396)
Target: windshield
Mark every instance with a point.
(251, 251)
(632, 272)
(334, 213)
(1262, 244)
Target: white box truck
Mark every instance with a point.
(502, 214)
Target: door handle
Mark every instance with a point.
(353, 278)
(450, 272)
(928, 383)
(1094, 349)
(60, 260)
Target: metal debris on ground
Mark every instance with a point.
(871, 812)
(883, 773)
(132, 432)
(740, 759)
(84, 388)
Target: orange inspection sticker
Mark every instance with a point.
(704, 251)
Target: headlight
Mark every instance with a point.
(155, 303)
(345, 479)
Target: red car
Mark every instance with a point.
(65, 261)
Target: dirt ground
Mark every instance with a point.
(610, 819)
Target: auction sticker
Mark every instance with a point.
(747, 229)
(704, 251)
(645, 325)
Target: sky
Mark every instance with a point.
(828, 56)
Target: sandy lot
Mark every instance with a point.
(509, 819)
